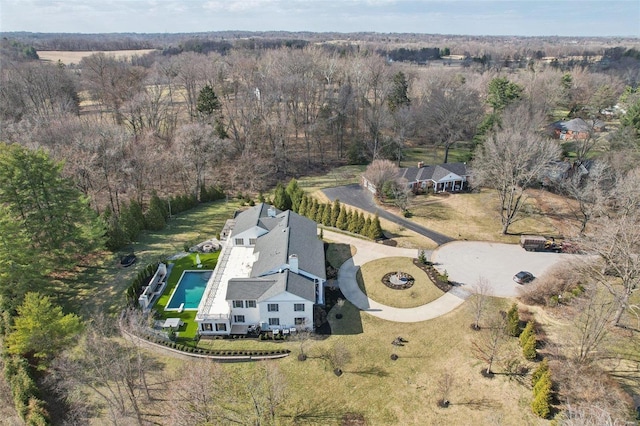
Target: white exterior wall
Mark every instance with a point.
(251, 315)
(285, 313)
(252, 233)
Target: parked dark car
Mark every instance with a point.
(523, 277)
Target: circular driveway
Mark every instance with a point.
(466, 261)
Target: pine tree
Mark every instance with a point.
(352, 221)
(157, 214)
(529, 349)
(319, 213)
(281, 199)
(513, 321)
(528, 331)
(541, 404)
(362, 223)
(295, 194)
(543, 368)
(302, 208)
(365, 230)
(342, 222)
(326, 215)
(131, 219)
(335, 212)
(312, 209)
(375, 230)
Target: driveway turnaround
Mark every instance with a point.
(466, 261)
(355, 195)
(368, 251)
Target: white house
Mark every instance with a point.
(270, 274)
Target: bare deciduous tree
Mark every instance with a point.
(379, 172)
(591, 326)
(486, 347)
(513, 159)
(591, 192)
(479, 301)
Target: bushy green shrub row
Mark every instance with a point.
(125, 226)
(190, 349)
(24, 391)
(133, 291)
(529, 341)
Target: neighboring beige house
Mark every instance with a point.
(270, 274)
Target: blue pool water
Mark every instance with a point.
(189, 290)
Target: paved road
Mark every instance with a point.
(361, 198)
(367, 251)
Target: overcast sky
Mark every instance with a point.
(479, 17)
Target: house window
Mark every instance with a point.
(238, 304)
(250, 303)
(300, 321)
(207, 326)
(239, 241)
(274, 321)
(238, 318)
(220, 326)
(272, 307)
(298, 307)
(252, 241)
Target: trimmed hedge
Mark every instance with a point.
(220, 353)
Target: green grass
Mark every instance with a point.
(435, 155)
(101, 286)
(422, 292)
(188, 331)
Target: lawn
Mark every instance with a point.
(101, 286)
(188, 331)
(422, 292)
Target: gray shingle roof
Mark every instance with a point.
(435, 173)
(255, 216)
(267, 287)
(578, 125)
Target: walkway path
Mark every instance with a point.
(357, 196)
(368, 251)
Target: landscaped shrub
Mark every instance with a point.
(529, 349)
(541, 404)
(539, 372)
(528, 331)
(24, 391)
(513, 321)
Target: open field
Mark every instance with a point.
(422, 292)
(74, 57)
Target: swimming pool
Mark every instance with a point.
(189, 290)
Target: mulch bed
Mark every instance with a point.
(433, 275)
(386, 280)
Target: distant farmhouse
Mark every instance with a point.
(270, 274)
(575, 129)
(448, 177)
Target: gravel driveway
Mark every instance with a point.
(465, 261)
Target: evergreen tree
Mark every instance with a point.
(41, 329)
(502, 92)
(116, 235)
(353, 222)
(362, 223)
(375, 230)
(342, 222)
(132, 219)
(326, 215)
(319, 213)
(528, 331)
(55, 216)
(335, 212)
(281, 199)
(541, 404)
(295, 194)
(365, 230)
(398, 96)
(302, 208)
(312, 208)
(208, 103)
(513, 321)
(543, 368)
(157, 214)
(529, 348)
